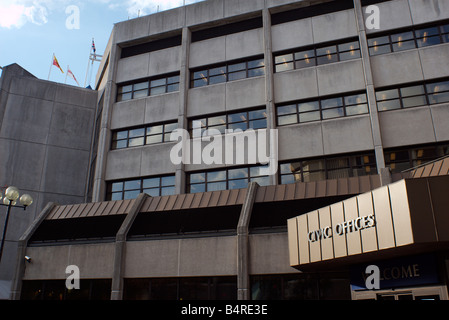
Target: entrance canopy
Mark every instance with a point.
(410, 215)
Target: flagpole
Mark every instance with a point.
(66, 74)
(51, 64)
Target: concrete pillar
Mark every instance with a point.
(184, 84)
(243, 283)
(16, 289)
(269, 84)
(104, 138)
(120, 248)
(371, 95)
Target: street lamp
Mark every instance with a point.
(10, 200)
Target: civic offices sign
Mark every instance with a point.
(343, 228)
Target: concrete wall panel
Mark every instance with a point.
(334, 26)
(424, 11)
(164, 61)
(393, 15)
(347, 135)
(431, 59)
(207, 100)
(123, 164)
(156, 160)
(133, 68)
(245, 93)
(390, 69)
(407, 127)
(128, 113)
(340, 77)
(207, 52)
(292, 34)
(307, 141)
(295, 85)
(244, 44)
(440, 117)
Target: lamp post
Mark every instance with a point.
(10, 200)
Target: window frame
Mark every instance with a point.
(415, 39)
(207, 76)
(145, 135)
(227, 180)
(148, 82)
(227, 122)
(315, 49)
(345, 105)
(427, 95)
(110, 187)
(326, 169)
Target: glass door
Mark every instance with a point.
(426, 293)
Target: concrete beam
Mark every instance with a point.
(243, 283)
(16, 289)
(120, 248)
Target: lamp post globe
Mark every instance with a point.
(12, 194)
(26, 200)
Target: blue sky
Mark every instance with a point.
(32, 30)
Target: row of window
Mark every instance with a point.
(322, 109)
(323, 169)
(413, 96)
(409, 39)
(289, 172)
(243, 120)
(142, 136)
(227, 72)
(299, 112)
(316, 56)
(149, 87)
(226, 179)
(155, 187)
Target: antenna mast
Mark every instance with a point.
(93, 56)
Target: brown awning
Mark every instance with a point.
(95, 209)
(433, 169)
(294, 191)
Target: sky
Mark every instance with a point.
(31, 31)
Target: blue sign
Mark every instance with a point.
(405, 272)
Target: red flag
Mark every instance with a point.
(56, 63)
(70, 73)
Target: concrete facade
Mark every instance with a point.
(45, 148)
(246, 252)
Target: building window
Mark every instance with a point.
(227, 72)
(409, 39)
(413, 96)
(332, 168)
(130, 189)
(322, 109)
(226, 179)
(142, 136)
(254, 119)
(148, 87)
(303, 58)
(399, 160)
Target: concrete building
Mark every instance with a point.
(355, 108)
(45, 149)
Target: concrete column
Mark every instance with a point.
(371, 95)
(184, 84)
(16, 289)
(104, 138)
(269, 83)
(243, 283)
(120, 248)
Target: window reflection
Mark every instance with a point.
(322, 109)
(332, 168)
